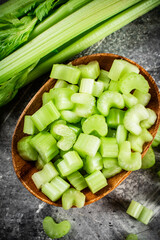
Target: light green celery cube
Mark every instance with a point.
(29, 127)
(90, 70)
(96, 181)
(92, 164)
(109, 147)
(77, 180)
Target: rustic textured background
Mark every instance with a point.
(21, 214)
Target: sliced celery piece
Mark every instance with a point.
(45, 175)
(62, 98)
(90, 70)
(61, 84)
(92, 164)
(109, 147)
(45, 115)
(84, 104)
(120, 67)
(138, 141)
(109, 99)
(29, 127)
(55, 188)
(95, 123)
(133, 117)
(25, 149)
(127, 160)
(143, 98)
(76, 129)
(151, 120)
(56, 136)
(133, 81)
(134, 209)
(39, 163)
(55, 164)
(111, 133)
(77, 180)
(115, 117)
(73, 197)
(86, 85)
(130, 100)
(46, 97)
(68, 73)
(149, 159)
(68, 136)
(75, 88)
(55, 230)
(132, 236)
(87, 145)
(113, 86)
(96, 181)
(121, 134)
(46, 146)
(71, 163)
(70, 116)
(156, 140)
(111, 167)
(145, 215)
(103, 77)
(98, 88)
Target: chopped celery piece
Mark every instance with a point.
(134, 209)
(84, 104)
(45, 115)
(133, 117)
(73, 197)
(62, 98)
(132, 236)
(55, 188)
(56, 136)
(115, 117)
(45, 175)
(46, 97)
(127, 160)
(45, 145)
(110, 162)
(55, 164)
(113, 86)
(73, 87)
(29, 127)
(103, 77)
(92, 164)
(156, 140)
(111, 167)
(109, 99)
(96, 181)
(68, 73)
(90, 70)
(145, 215)
(147, 123)
(61, 84)
(86, 85)
(98, 89)
(109, 147)
(87, 145)
(149, 159)
(70, 116)
(130, 100)
(111, 133)
(39, 163)
(133, 81)
(143, 98)
(95, 123)
(71, 163)
(121, 134)
(68, 136)
(77, 180)
(138, 141)
(25, 149)
(77, 130)
(55, 230)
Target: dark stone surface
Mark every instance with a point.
(22, 214)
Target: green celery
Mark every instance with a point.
(70, 116)
(29, 127)
(73, 197)
(134, 209)
(149, 159)
(90, 70)
(25, 149)
(86, 85)
(98, 88)
(143, 98)
(77, 180)
(92, 164)
(109, 147)
(132, 236)
(156, 140)
(150, 121)
(145, 215)
(115, 117)
(121, 134)
(96, 181)
(103, 77)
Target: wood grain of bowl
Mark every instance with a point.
(24, 169)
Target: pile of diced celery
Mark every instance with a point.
(91, 125)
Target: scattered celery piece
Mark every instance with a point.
(86, 85)
(90, 70)
(70, 116)
(132, 236)
(113, 86)
(103, 77)
(39, 163)
(55, 230)
(73, 87)
(130, 100)
(96, 181)
(109, 147)
(46, 97)
(45, 175)
(29, 127)
(61, 84)
(92, 164)
(143, 98)
(25, 149)
(145, 215)
(121, 134)
(56, 136)
(149, 159)
(98, 89)
(147, 123)
(111, 167)
(45, 115)
(62, 98)
(73, 197)
(115, 117)
(77, 180)
(134, 209)
(77, 130)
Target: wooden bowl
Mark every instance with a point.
(24, 169)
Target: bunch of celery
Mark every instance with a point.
(36, 34)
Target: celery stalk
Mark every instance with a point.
(70, 27)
